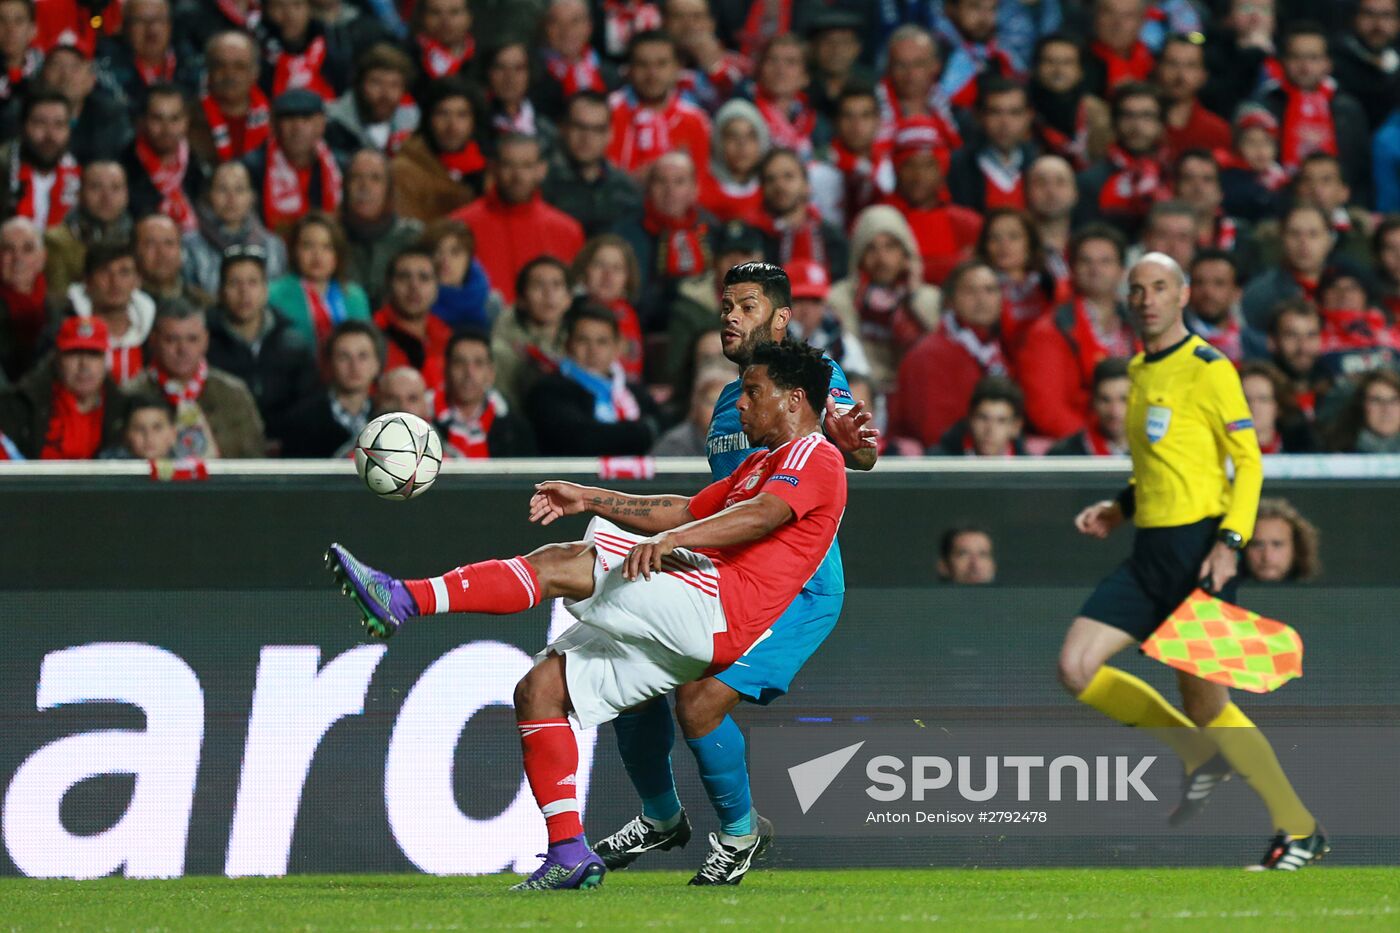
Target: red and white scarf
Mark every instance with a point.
(249, 20)
(1137, 66)
(439, 61)
(296, 70)
(583, 74)
(1307, 122)
(985, 349)
(256, 125)
(1137, 182)
(647, 134)
(885, 315)
(1224, 234)
(623, 19)
(1004, 184)
(523, 123)
(682, 244)
(287, 189)
(168, 177)
(12, 78)
(458, 165)
(802, 240)
(157, 74)
(63, 195)
(790, 128)
(468, 436)
(181, 392)
(860, 174)
(939, 111)
(767, 20)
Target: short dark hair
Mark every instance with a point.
(101, 255)
(351, 327)
(1098, 231)
(585, 96)
(43, 95)
(780, 152)
(1195, 153)
(1212, 254)
(522, 278)
(1134, 89)
(950, 537)
(1313, 158)
(998, 389)
(141, 401)
(250, 253)
(649, 37)
(990, 85)
(774, 282)
(469, 335)
(954, 279)
(852, 90)
(584, 309)
(795, 365)
(1302, 27)
(1108, 369)
(1190, 39)
(161, 89)
(1297, 306)
(413, 249)
(384, 56)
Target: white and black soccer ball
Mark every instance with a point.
(398, 455)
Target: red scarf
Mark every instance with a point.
(1094, 347)
(581, 75)
(27, 310)
(630, 329)
(1227, 337)
(256, 124)
(1003, 186)
(647, 134)
(291, 71)
(1096, 443)
(861, 188)
(802, 240)
(938, 111)
(459, 165)
(623, 19)
(885, 315)
(767, 20)
(63, 196)
(682, 244)
(1138, 66)
(1138, 182)
(287, 189)
(1022, 304)
(169, 180)
(248, 21)
(1076, 148)
(438, 60)
(1307, 122)
(982, 346)
(468, 436)
(163, 73)
(1225, 233)
(790, 129)
(73, 434)
(181, 392)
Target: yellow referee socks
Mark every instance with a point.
(1132, 701)
(1250, 754)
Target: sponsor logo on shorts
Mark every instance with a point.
(1241, 425)
(785, 478)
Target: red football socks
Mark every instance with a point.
(498, 587)
(551, 760)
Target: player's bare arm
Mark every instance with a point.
(739, 524)
(648, 514)
(853, 434)
(1099, 519)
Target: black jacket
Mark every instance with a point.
(599, 205)
(281, 372)
(144, 198)
(1358, 74)
(966, 183)
(311, 431)
(26, 409)
(562, 412)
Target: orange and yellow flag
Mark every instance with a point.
(1225, 644)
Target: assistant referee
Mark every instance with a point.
(1186, 415)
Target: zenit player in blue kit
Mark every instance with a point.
(755, 308)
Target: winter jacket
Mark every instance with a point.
(562, 412)
(510, 235)
(278, 368)
(423, 190)
(204, 250)
(597, 205)
(373, 246)
(26, 409)
(229, 409)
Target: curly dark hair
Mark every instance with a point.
(794, 365)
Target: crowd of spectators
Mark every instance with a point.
(241, 228)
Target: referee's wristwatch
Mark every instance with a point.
(1231, 539)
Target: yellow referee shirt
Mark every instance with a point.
(1186, 414)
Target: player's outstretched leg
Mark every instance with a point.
(384, 601)
(1299, 839)
(550, 754)
(644, 739)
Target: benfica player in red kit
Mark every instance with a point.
(679, 588)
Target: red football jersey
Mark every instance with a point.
(758, 580)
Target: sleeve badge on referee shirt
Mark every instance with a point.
(1159, 418)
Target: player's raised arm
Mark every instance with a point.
(649, 514)
(852, 432)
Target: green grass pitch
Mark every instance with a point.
(1318, 898)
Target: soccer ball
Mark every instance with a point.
(398, 455)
